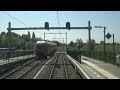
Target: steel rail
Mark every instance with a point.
(65, 69)
(16, 69)
(27, 71)
(53, 66)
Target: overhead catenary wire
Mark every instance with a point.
(58, 22)
(16, 19)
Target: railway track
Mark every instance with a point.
(59, 70)
(21, 71)
(59, 67)
(65, 68)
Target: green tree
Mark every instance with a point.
(58, 43)
(93, 42)
(25, 37)
(79, 43)
(29, 36)
(39, 39)
(33, 37)
(71, 44)
(22, 44)
(3, 33)
(102, 42)
(0, 41)
(4, 41)
(18, 41)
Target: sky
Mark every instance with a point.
(109, 19)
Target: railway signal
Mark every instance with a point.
(47, 25)
(68, 25)
(54, 28)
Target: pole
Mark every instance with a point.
(66, 41)
(66, 38)
(104, 44)
(44, 35)
(9, 33)
(113, 48)
(89, 36)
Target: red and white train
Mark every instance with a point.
(45, 48)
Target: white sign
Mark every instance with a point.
(118, 58)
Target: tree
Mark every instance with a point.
(22, 44)
(4, 41)
(3, 33)
(101, 42)
(29, 36)
(108, 43)
(25, 37)
(71, 44)
(58, 43)
(18, 41)
(93, 44)
(39, 39)
(33, 37)
(0, 41)
(80, 43)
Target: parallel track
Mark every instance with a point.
(52, 71)
(59, 67)
(21, 71)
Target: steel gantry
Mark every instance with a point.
(56, 33)
(59, 39)
(51, 28)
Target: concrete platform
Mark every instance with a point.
(110, 71)
(96, 69)
(15, 59)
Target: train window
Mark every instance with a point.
(40, 45)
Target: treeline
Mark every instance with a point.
(83, 46)
(79, 44)
(18, 42)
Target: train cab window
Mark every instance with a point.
(40, 45)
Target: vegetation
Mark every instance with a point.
(58, 43)
(19, 42)
(80, 45)
(97, 50)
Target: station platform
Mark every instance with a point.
(110, 71)
(3, 61)
(95, 69)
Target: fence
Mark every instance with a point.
(5, 55)
(109, 56)
(75, 54)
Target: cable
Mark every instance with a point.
(17, 19)
(58, 22)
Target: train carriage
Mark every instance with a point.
(45, 48)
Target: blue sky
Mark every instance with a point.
(109, 19)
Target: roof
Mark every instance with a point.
(41, 42)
